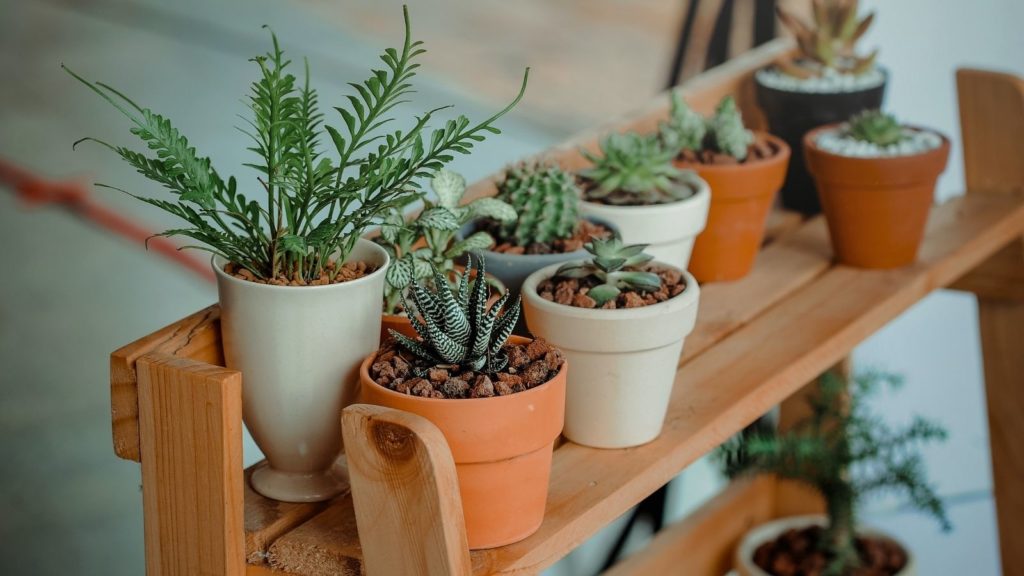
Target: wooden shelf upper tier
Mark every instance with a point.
(757, 341)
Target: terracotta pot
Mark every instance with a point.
(502, 449)
(299, 350)
(741, 197)
(791, 114)
(668, 229)
(876, 208)
(744, 557)
(400, 322)
(624, 361)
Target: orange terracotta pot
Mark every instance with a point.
(502, 448)
(400, 322)
(741, 197)
(876, 208)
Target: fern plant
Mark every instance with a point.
(615, 265)
(876, 127)
(546, 202)
(456, 328)
(316, 205)
(635, 169)
(845, 453)
(430, 241)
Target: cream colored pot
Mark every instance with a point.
(770, 530)
(299, 350)
(669, 229)
(623, 361)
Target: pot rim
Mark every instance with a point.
(217, 263)
(364, 377)
(686, 298)
(781, 156)
(885, 80)
(811, 145)
(646, 209)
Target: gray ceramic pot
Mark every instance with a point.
(512, 269)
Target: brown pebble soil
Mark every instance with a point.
(795, 553)
(573, 292)
(529, 366)
(760, 149)
(585, 232)
(330, 275)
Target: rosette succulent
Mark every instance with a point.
(615, 265)
(876, 127)
(636, 169)
(829, 43)
(546, 201)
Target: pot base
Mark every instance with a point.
(297, 486)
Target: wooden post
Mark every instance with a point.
(190, 427)
(406, 494)
(992, 125)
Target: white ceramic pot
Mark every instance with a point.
(299, 350)
(744, 559)
(623, 361)
(669, 229)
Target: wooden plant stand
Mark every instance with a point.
(758, 342)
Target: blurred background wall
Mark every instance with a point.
(71, 293)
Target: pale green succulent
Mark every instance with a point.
(876, 127)
(636, 169)
(728, 134)
(614, 264)
(430, 240)
(686, 128)
(546, 201)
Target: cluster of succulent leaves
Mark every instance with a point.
(316, 206)
(845, 453)
(429, 242)
(546, 201)
(830, 42)
(614, 265)
(723, 132)
(636, 169)
(876, 127)
(457, 328)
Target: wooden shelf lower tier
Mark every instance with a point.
(757, 341)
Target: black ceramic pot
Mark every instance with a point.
(792, 114)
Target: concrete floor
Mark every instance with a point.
(73, 294)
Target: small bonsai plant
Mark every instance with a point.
(316, 206)
(616, 276)
(845, 453)
(428, 243)
(636, 170)
(829, 43)
(721, 138)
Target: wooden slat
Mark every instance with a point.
(327, 545)
(267, 520)
(1001, 277)
(191, 431)
(404, 486)
(196, 337)
(757, 366)
(702, 543)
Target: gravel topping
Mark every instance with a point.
(838, 142)
(831, 82)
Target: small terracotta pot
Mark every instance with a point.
(876, 208)
(502, 449)
(741, 197)
(400, 322)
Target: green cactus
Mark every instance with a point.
(614, 264)
(456, 328)
(728, 134)
(830, 42)
(685, 129)
(636, 170)
(876, 127)
(546, 200)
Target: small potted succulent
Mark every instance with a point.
(299, 289)
(499, 401)
(744, 170)
(430, 241)
(620, 318)
(876, 178)
(826, 82)
(634, 186)
(844, 453)
(547, 227)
